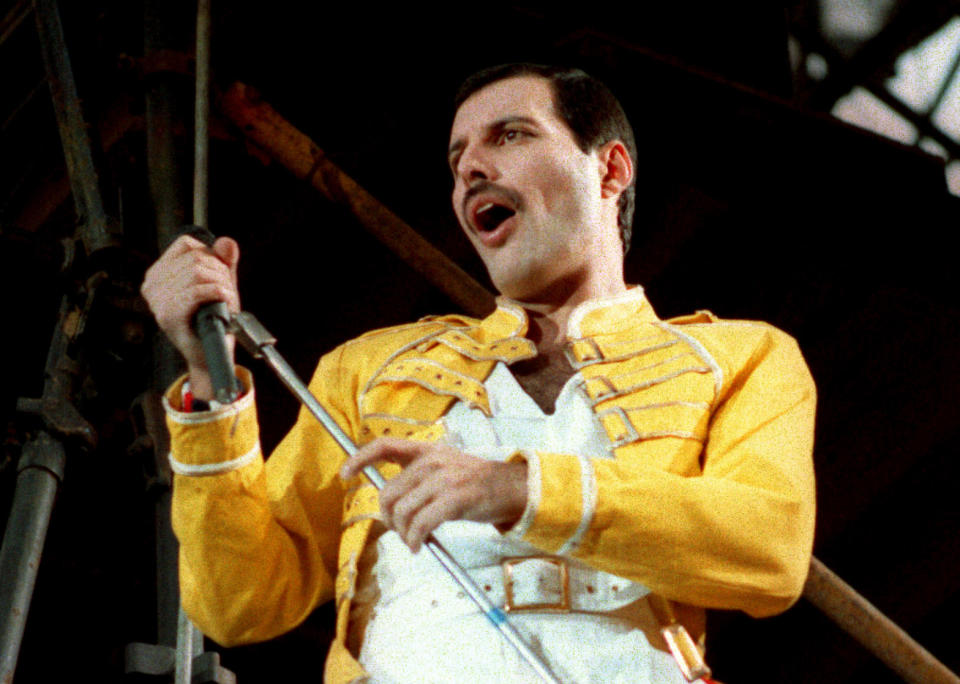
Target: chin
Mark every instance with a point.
(527, 287)
(534, 274)
(512, 287)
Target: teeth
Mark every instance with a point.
(490, 215)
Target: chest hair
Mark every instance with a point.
(543, 377)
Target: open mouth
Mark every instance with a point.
(489, 215)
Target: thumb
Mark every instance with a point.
(228, 251)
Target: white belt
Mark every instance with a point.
(553, 584)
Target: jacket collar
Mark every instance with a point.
(599, 316)
(509, 319)
(611, 314)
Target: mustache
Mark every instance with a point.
(487, 187)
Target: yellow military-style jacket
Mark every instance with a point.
(707, 496)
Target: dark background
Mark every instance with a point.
(752, 202)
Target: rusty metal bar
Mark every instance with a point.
(13, 18)
(874, 630)
(270, 131)
(45, 199)
(43, 459)
(84, 184)
(40, 473)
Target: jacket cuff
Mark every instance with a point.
(561, 501)
(522, 526)
(213, 442)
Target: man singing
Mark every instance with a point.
(600, 472)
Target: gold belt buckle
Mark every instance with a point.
(563, 583)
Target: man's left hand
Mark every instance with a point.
(440, 483)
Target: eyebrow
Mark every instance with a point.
(457, 145)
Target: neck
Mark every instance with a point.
(548, 317)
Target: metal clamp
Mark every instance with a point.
(685, 652)
(682, 646)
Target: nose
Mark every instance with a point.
(476, 164)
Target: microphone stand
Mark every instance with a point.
(260, 344)
(211, 320)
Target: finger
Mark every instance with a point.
(398, 451)
(173, 315)
(429, 518)
(404, 495)
(182, 245)
(203, 293)
(210, 270)
(228, 251)
(189, 253)
(168, 294)
(190, 269)
(162, 267)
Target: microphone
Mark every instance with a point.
(210, 323)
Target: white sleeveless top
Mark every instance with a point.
(412, 623)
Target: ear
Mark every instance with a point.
(616, 168)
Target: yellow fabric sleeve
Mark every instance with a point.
(258, 542)
(737, 536)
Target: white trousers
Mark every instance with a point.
(423, 629)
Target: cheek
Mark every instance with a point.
(566, 189)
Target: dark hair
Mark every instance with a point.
(586, 105)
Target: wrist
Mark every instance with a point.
(200, 384)
(515, 495)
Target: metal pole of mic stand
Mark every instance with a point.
(212, 319)
(260, 343)
(189, 638)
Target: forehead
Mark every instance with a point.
(518, 96)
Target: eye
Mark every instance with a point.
(510, 135)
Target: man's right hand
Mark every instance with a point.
(188, 275)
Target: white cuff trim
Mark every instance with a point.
(201, 417)
(204, 469)
(588, 493)
(533, 496)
